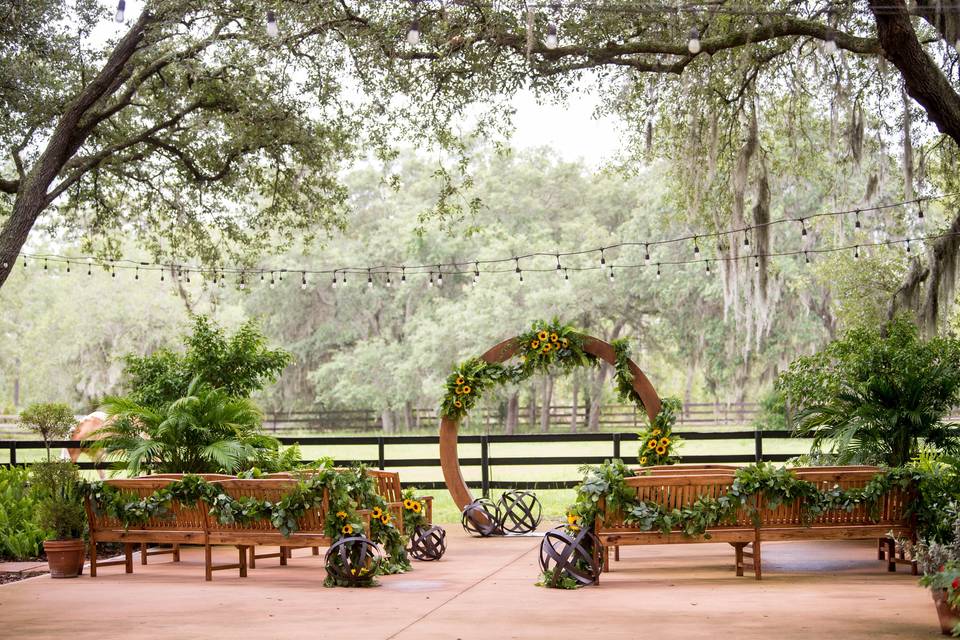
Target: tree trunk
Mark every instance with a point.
(16, 382)
(532, 407)
(389, 421)
(573, 405)
(408, 416)
(513, 413)
(547, 398)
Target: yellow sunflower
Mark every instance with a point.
(535, 344)
(376, 513)
(543, 335)
(341, 514)
(460, 380)
(564, 342)
(643, 459)
(655, 432)
(466, 389)
(459, 391)
(346, 529)
(547, 347)
(573, 527)
(417, 507)
(571, 518)
(408, 504)
(554, 337)
(661, 450)
(385, 518)
(652, 443)
(664, 441)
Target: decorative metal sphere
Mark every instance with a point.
(566, 555)
(428, 543)
(520, 512)
(482, 517)
(352, 561)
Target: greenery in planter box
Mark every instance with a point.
(51, 421)
(56, 486)
(20, 534)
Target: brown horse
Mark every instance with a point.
(87, 429)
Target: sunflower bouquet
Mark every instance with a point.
(552, 343)
(414, 511)
(464, 385)
(657, 442)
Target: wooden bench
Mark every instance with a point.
(390, 489)
(185, 525)
(677, 487)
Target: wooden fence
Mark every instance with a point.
(612, 417)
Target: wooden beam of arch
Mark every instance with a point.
(450, 462)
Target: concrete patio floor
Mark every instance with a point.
(483, 589)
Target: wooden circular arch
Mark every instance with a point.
(501, 353)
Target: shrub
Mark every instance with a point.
(239, 365)
(20, 535)
(51, 421)
(876, 397)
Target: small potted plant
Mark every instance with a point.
(55, 484)
(939, 562)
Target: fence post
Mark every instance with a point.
(758, 444)
(485, 466)
(381, 455)
(616, 446)
(13, 453)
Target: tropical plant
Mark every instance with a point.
(206, 431)
(51, 421)
(876, 397)
(56, 486)
(239, 364)
(20, 534)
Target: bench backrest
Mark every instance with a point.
(182, 517)
(179, 476)
(892, 509)
(675, 492)
(388, 484)
(272, 490)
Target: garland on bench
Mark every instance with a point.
(777, 484)
(348, 490)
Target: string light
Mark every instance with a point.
(611, 273)
(430, 284)
(113, 271)
(803, 230)
(806, 257)
(243, 282)
(476, 273)
(908, 245)
(658, 271)
(45, 265)
(303, 280)
(603, 259)
(272, 29)
(696, 249)
(559, 268)
(566, 276)
(920, 211)
(746, 237)
(646, 254)
(136, 275)
(413, 33)
(223, 280)
(520, 273)
(856, 217)
(273, 283)
(333, 283)
(389, 283)
(856, 252)
(708, 267)
(121, 11)
(403, 275)
(369, 279)
(693, 44)
(439, 277)
(756, 263)
(552, 40)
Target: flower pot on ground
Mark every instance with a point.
(60, 511)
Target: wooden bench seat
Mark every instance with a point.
(390, 489)
(677, 487)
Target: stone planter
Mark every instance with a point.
(949, 615)
(65, 557)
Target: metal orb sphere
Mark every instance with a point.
(428, 543)
(482, 518)
(569, 555)
(353, 561)
(520, 512)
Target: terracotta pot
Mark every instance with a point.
(949, 615)
(65, 557)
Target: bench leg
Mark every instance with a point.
(128, 557)
(616, 553)
(253, 558)
(316, 550)
(606, 559)
(176, 553)
(243, 561)
(880, 544)
(143, 553)
(596, 562)
(284, 551)
(208, 562)
(757, 566)
(738, 554)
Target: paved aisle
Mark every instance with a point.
(483, 590)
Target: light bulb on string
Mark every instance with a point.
(273, 282)
(243, 282)
(68, 266)
(223, 280)
(403, 275)
(369, 279)
(520, 273)
(566, 276)
(559, 268)
(693, 41)
(908, 245)
(333, 282)
(136, 274)
(746, 237)
(389, 282)
(646, 254)
(282, 270)
(830, 45)
(603, 258)
(856, 252)
(611, 273)
(856, 218)
(430, 283)
(24, 262)
(188, 276)
(920, 218)
(45, 265)
(121, 11)
(413, 33)
(439, 277)
(272, 29)
(552, 39)
(696, 249)
(803, 230)
(708, 267)
(806, 257)
(303, 280)
(113, 271)
(476, 273)
(658, 271)
(756, 263)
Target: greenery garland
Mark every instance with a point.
(778, 485)
(347, 490)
